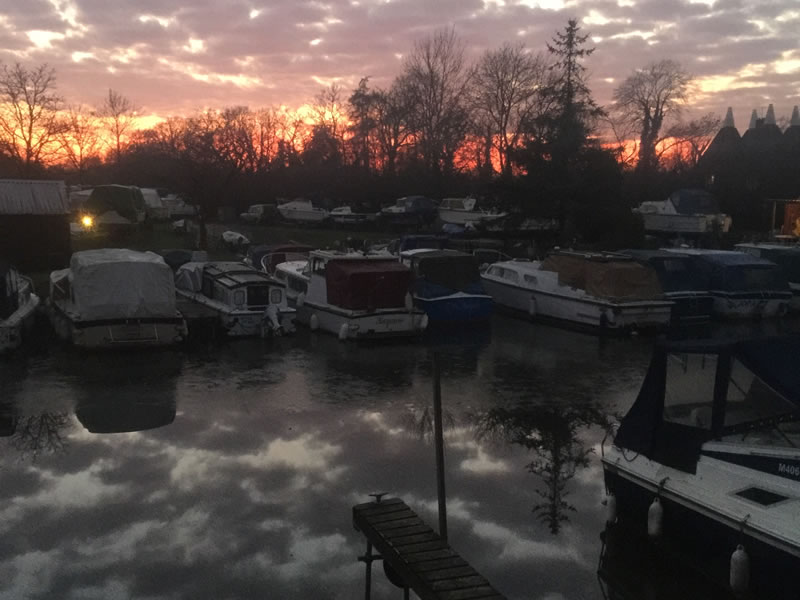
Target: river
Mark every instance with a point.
(230, 471)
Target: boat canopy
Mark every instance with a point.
(229, 274)
(451, 269)
(123, 200)
(616, 279)
(699, 391)
(787, 258)
(267, 256)
(739, 271)
(676, 272)
(367, 284)
(114, 283)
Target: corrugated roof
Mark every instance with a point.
(23, 197)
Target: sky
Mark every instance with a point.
(174, 57)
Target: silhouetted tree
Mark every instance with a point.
(119, 113)
(79, 137)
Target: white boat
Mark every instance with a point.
(115, 298)
(344, 215)
(707, 461)
(354, 296)
(588, 290)
(18, 304)
(686, 211)
(246, 301)
(787, 258)
(303, 211)
(742, 285)
(460, 211)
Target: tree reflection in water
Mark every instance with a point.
(41, 434)
(551, 433)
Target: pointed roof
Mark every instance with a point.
(770, 118)
(728, 122)
(753, 119)
(795, 117)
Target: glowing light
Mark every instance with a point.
(79, 56)
(195, 46)
(87, 222)
(44, 39)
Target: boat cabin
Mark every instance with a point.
(439, 272)
(267, 257)
(736, 394)
(230, 283)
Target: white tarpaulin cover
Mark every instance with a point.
(115, 283)
(189, 276)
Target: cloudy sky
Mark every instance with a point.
(173, 57)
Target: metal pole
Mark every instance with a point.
(368, 579)
(439, 442)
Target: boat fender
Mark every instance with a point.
(409, 302)
(655, 518)
(271, 317)
(313, 322)
(423, 322)
(301, 299)
(343, 331)
(611, 509)
(740, 571)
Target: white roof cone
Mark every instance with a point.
(753, 119)
(770, 120)
(795, 117)
(728, 122)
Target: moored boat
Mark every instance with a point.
(706, 461)
(18, 304)
(787, 258)
(344, 215)
(355, 296)
(447, 285)
(410, 210)
(246, 301)
(114, 298)
(460, 211)
(595, 291)
(302, 211)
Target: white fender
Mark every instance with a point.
(409, 302)
(611, 509)
(343, 331)
(313, 322)
(740, 571)
(655, 518)
(301, 299)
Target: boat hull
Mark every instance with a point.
(303, 216)
(456, 308)
(462, 217)
(584, 313)
(755, 305)
(13, 329)
(240, 323)
(702, 538)
(362, 325)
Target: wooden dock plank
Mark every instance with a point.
(421, 559)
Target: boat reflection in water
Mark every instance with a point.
(121, 415)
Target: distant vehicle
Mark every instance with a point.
(410, 210)
(258, 213)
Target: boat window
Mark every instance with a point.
(319, 267)
(496, 271)
(238, 297)
(257, 296)
(275, 296)
(511, 275)
(208, 287)
(530, 279)
(297, 285)
(280, 275)
(689, 390)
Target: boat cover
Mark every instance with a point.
(367, 284)
(189, 276)
(676, 272)
(116, 283)
(739, 271)
(619, 280)
(125, 201)
(788, 259)
(449, 269)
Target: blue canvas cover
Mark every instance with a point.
(741, 272)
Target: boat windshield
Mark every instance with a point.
(257, 296)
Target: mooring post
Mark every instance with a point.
(439, 443)
(367, 558)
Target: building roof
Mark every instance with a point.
(28, 197)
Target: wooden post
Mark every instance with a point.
(439, 442)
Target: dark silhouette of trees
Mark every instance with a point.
(79, 138)
(119, 114)
(29, 123)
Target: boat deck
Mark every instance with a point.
(420, 558)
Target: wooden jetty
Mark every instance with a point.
(415, 556)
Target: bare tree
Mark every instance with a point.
(506, 84)
(436, 77)
(646, 100)
(689, 140)
(29, 121)
(393, 114)
(79, 136)
(329, 114)
(120, 115)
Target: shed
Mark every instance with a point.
(34, 223)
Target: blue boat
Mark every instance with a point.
(447, 286)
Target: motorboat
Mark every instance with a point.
(682, 281)
(344, 215)
(302, 211)
(356, 296)
(742, 285)
(686, 211)
(786, 257)
(268, 256)
(596, 291)
(460, 211)
(707, 461)
(245, 300)
(447, 285)
(410, 210)
(18, 304)
(113, 298)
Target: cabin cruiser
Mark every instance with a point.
(18, 304)
(410, 210)
(707, 460)
(460, 211)
(246, 301)
(268, 256)
(683, 282)
(787, 258)
(354, 296)
(344, 215)
(113, 298)
(596, 291)
(303, 211)
(447, 285)
(742, 285)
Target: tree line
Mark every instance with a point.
(516, 127)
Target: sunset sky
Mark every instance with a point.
(173, 57)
